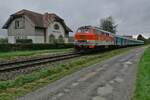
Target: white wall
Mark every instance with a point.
(29, 31)
(11, 39)
(37, 35)
(36, 39)
(66, 40)
(56, 33)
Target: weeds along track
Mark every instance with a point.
(17, 65)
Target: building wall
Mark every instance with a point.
(11, 39)
(28, 31)
(36, 39)
(39, 32)
(56, 33)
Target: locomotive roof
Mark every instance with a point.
(98, 28)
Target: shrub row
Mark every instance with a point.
(23, 40)
(3, 41)
(22, 47)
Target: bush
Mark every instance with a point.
(23, 40)
(3, 41)
(22, 47)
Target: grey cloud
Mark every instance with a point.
(132, 16)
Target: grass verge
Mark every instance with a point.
(142, 91)
(23, 84)
(29, 53)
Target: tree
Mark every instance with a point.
(108, 24)
(3, 40)
(140, 37)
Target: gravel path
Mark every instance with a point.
(112, 79)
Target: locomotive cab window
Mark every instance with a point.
(84, 30)
(94, 31)
(97, 31)
(102, 33)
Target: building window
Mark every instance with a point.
(56, 27)
(52, 39)
(20, 23)
(21, 37)
(17, 37)
(17, 24)
(66, 35)
(60, 39)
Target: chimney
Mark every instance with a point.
(45, 19)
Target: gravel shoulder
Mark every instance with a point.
(113, 79)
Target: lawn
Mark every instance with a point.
(30, 53)
(26, 83)
(142, 91)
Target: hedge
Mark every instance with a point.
(3, 41)
(23, 41)
(23, 47)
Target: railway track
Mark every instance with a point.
(16, 65)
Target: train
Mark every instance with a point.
(91, 37)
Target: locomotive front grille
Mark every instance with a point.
(82, 41)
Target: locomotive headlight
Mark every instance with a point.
(88, 40)
(91, 41)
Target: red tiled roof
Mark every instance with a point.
(36, 18)
(40, 20)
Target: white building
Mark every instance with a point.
(41, 28)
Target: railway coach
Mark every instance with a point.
(90, 37)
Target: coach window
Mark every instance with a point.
(52, 39)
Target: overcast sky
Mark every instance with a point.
(132, 16)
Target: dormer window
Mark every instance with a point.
(56, 27)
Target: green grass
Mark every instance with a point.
(26, 83)
(142, 91)
(29, 53)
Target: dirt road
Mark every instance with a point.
(112, 79)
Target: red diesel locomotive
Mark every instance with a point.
(89, 37)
